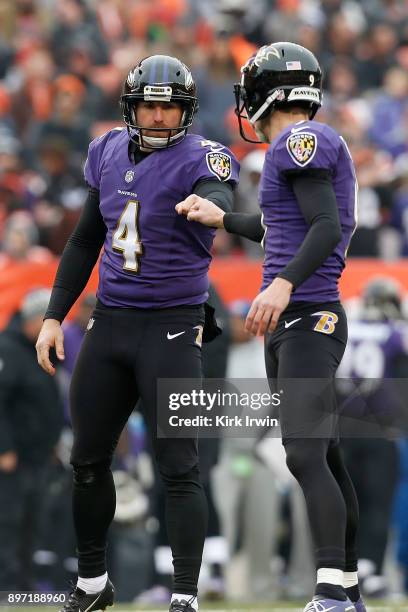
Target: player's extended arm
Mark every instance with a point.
(216, 210)
(77, 261)
(315, 195)
(246, 225)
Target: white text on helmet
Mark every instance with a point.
(304, 93)
(152, 93)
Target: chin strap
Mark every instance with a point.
(157, 143)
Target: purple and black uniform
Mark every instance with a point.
(151, 316)
(153, 257)
(309, 145)
(149, 322)
(373, 348)
(371, 398)
(372, 359)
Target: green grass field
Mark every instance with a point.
(276, 606)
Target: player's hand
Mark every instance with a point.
(8, 462)
(201, 210)
(268, 306)
(51, 335)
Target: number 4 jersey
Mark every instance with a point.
(153, 257)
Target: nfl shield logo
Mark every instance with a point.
(302, 147)
(129, 176)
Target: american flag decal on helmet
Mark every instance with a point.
(296, 65)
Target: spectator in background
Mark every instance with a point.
(399, 215)
(59, 202)
(215, 85)
(67, 123)
(31, 417)
(341, 81)
(31, 82)
(7, 125)
(76, 21)
(377, 55)
(12, 188)
(374, 170)
(389, 127)
(20, 241)
(81, 64)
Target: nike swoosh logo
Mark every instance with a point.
(304, 127)
(172, 336)
(291, 322)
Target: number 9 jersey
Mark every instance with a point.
(153, 257)
(300, 147)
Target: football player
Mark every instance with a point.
(376, 354)
(308, 198)
(148, 322)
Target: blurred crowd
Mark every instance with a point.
(62, 66)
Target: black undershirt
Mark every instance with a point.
(315, 195)
(83, 246)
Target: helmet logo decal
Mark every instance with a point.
(131, 78)
(188, 79)
(302, 147)
(219, 164)
(264, 54)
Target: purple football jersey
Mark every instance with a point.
(373, 348)
(306, 144)
(153, 257)
(367, 370)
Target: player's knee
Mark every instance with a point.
(305, 456)
(89, 474)
(174, 477)
(176, 457)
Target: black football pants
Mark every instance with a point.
(296, 350)
(123, 354)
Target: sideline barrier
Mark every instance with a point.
(235, 277)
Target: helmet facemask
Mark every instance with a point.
(174, 134)
(141, 86)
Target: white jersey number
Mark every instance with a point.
(126, 239)
(364, 360)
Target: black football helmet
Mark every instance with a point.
(382, 299)
(159, 78)
(278, 74)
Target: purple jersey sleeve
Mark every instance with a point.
(309, 146)
(92, 168)
(214, 160)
